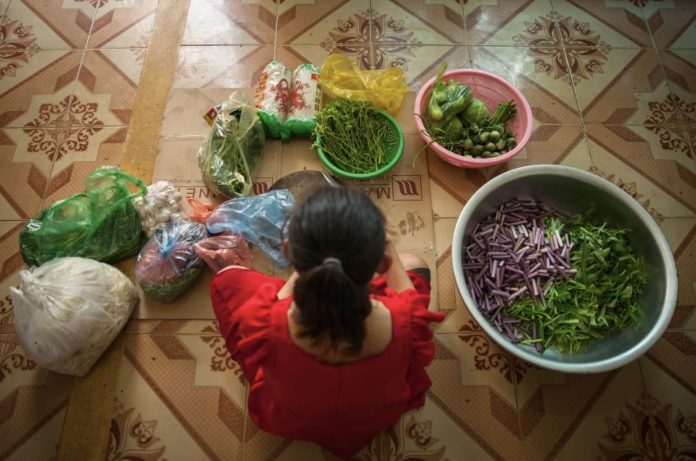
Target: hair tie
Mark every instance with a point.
(331, 260)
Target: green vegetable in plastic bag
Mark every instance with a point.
(100, 223)
(168, 265)
(231, 152)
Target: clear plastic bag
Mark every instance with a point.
(69, 310)
(341, 77)
(260, 219)
(167, 265)
(100, 223)
(226, 249)
(231, 152)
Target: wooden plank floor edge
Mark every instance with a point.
(85, 434)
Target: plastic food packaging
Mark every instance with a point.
(226, 249)
(273, 97)
(305, 100)
(260, 219)
(200, 211)
(231, 152)
(100, 223)
(341, 77)
(167, 265)
(159, 206)
(69, 310)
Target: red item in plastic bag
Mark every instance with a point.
(201, 211)
(222, 250)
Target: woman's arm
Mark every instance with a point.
(396, 277)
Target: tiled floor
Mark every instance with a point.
(612, 86)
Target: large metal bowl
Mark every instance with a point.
(574, 191)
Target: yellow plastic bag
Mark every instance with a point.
(341, 77)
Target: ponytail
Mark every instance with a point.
(336, 239)
(333, 305)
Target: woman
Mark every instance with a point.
(336, 354)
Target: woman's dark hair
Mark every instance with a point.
(336, 241)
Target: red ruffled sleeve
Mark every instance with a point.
(244, 318)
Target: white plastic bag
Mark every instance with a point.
(69, 310)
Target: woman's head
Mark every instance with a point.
(336, 241)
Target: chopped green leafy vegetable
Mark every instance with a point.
(602, 296)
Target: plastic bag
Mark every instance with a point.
(305, 100)
(69, 310)
(341, 77)
(260, 219)
(200, 212)
(100, 223)
(167, 265)
(273, 97)
(159, 206)
(231, 152)
(226, 249)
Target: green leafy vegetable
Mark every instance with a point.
(601, 297)
(352, 134)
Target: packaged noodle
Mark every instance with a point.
(272, 97)
(305, 99)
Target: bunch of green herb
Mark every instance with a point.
(351, 134)
(601, 297)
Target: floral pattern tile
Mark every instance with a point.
(680, 67)
(630, 76)
(230, 22)
(542, 77)
(122, 24)
(32, 403)
(178, 396)
(52, 25)
(567, 416)
(221, 66)
(10, 266)
(330, 23)
(672, 23)
(670, 374)
(494, 22)
(416, 21)
(45, 77)
(599, 23)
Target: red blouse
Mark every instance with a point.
(293, 394)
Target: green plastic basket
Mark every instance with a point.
(393, 145)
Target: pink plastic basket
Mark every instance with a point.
(492, 90)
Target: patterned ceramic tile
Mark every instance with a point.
(109, 78)
(428, 433)
(88, 148)
(420, 62)
(178, 396)
(654, 174)
(626, 78)
(685, 258)
(23, 174)
(51, 25)
(230, 22)
(43, 77)
(495, 22)
(330, 23)
(3, 7)
(672, 23)
(122, 24)
(542, 76)
(11, 264)
(670, 374)
(32, 403)
(221, 66)
(170, 326)
(569, 417)
(599, 23)
(473, 384)
(398, 22)
(680, 67)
